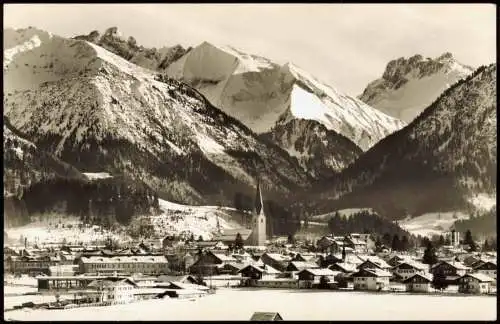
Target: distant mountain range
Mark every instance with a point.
(200, 125)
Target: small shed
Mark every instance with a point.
(266, 316)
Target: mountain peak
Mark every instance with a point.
(408, 85)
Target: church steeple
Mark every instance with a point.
(258, 204)
(259, 235)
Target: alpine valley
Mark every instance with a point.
(100, 127)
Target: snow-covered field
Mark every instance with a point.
(240, 304)
(431, 223)
(40, 232)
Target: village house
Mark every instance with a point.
(373, 262)
(357, 242)
(475, 283)
(397, 259)
(488, 268)
(451, 269)
(144, 264)
(371, 279)
(275, 260)
(210, 262)
(407, 269)
(470, 259)
(309, 278)
(343, 267)
(118, 291)
(253, 275)
(419, 282)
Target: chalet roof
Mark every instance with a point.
(111, 282)
(278, 257)
(479, 276)
(427, 277)
(481, 263)
(347, 267)
(320, 272)
(414, 264)
(372, 273)
(301, 265)
(457, 265)
(224, 257)
(124, 259)
(230, 234)
(378, 262)
(263, 316)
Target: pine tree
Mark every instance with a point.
(439, 280)
(396, 245)
(238, 242)
(486, 245)
(430, 256)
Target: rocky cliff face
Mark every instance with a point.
(408, 86)
(320, 151)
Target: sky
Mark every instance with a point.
(344, 45)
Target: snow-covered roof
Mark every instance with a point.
(426, 276)
(320, 272)
(300, 265)
(479, 276)
(125, 259)
(374, 272)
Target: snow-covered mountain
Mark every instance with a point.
(101, 113)
(262, 94)
(410, 85)
(150, 58)
(320, 151)
(442, 161)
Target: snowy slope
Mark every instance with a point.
(261, 94)
(430, 224)
(50, 230)
(109, 115)
(184, 220)
(408, 86)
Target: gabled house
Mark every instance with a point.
(396, 259)
(371, 279)
(474, 283)
(309, 278)
(343, 267)
(407, 269)
(356, 243)
(295, 266)
(374, 263)
(254, 272)
(275, 260)
(488, 268)
(451, 269)
(116, 291)
(419, 283)
(210, 262)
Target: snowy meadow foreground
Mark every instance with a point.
(240, 304)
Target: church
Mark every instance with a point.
(255, 235)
